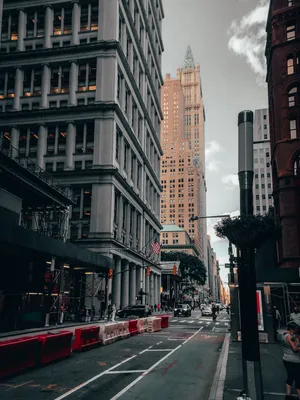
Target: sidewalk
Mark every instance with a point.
(273, 372)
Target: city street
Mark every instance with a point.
(175, 363)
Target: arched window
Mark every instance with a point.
(297, 166)
(290, 64)
(292, 96)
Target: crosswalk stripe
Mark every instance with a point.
(174, 320)
(208, 323)
(226, 323)
(182, 321)
(200, 322)
(191, 322)
(217, 323)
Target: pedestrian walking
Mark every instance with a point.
(276, 318)
(214, 312)
(155, 307)
(158, 307)
(295, 316)
(93, 312)
(109, 312)
(114, 310)
(291, 359)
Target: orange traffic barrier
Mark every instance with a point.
(17, 355)
(86, 338)
(133, 330)
(55, 346)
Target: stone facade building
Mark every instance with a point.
(80, 95)
(175, 239)
(182, 167)
(262, 184)
(283, 77)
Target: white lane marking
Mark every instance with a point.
(144, 351)
(159, 350)
(191, 322)
(208, 323)
(174, 339)
(63, 396)
(151, 368)
(217, 323)
(193, 335)
(213, 329)
(226, 324)
(158, 343)
(174, 320)
(134, 371)
(200, 322)
(182, 321)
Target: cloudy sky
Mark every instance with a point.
(227, 39)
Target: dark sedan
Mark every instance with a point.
(182, 309)
(136, 311)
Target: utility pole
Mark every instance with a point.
(246, 265)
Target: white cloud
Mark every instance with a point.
(248, 38)
(212, 162)
(212, 222)
(231, 181)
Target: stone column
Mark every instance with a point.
(70, 146)
(120, 214)
(75, 23)
(128, 225)
(45, 86)
(151, 289)
(73, 83)
(147, 288)
(14, 141)
(21, 30)
(41, 146)
(48, 27)
(132, 285)
(116, 294)
(18, 88)
(155, 288)
(159, 287)
(138, 279)
(125, 283)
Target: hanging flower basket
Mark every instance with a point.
(248, 231)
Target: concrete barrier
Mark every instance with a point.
(123, 328)
(109, 333)
(142, 325)
(154, 324)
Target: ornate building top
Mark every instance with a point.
(189, 61)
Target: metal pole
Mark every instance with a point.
(247, 277)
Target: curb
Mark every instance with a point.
(217, 388)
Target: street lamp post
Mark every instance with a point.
(246, 265)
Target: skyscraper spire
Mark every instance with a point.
(189, 61)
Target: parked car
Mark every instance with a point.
(137, 311)
(182, 309)
(207, 311)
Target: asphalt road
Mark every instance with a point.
(176, 363)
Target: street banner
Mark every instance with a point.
(260, 316)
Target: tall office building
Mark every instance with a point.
(80, 95)
(262, 184)
(183, 162)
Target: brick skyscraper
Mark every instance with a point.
(183, 163)
(283, 77)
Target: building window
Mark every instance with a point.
(35, 26)
(87, 76)
(293, 129)
(89, 18)
(291, 31)
(290, 64)
(118, 145)
(292, 97)
(297, 166)
(62, 22)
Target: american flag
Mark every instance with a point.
(155, 247)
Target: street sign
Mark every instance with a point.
(227, 265)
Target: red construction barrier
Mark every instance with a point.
(133, 330)
(17, 355)
(86, 338)
(164, 321)
(55, 346)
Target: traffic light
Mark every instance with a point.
(174, 269)
(110, 273)
(148, 271)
